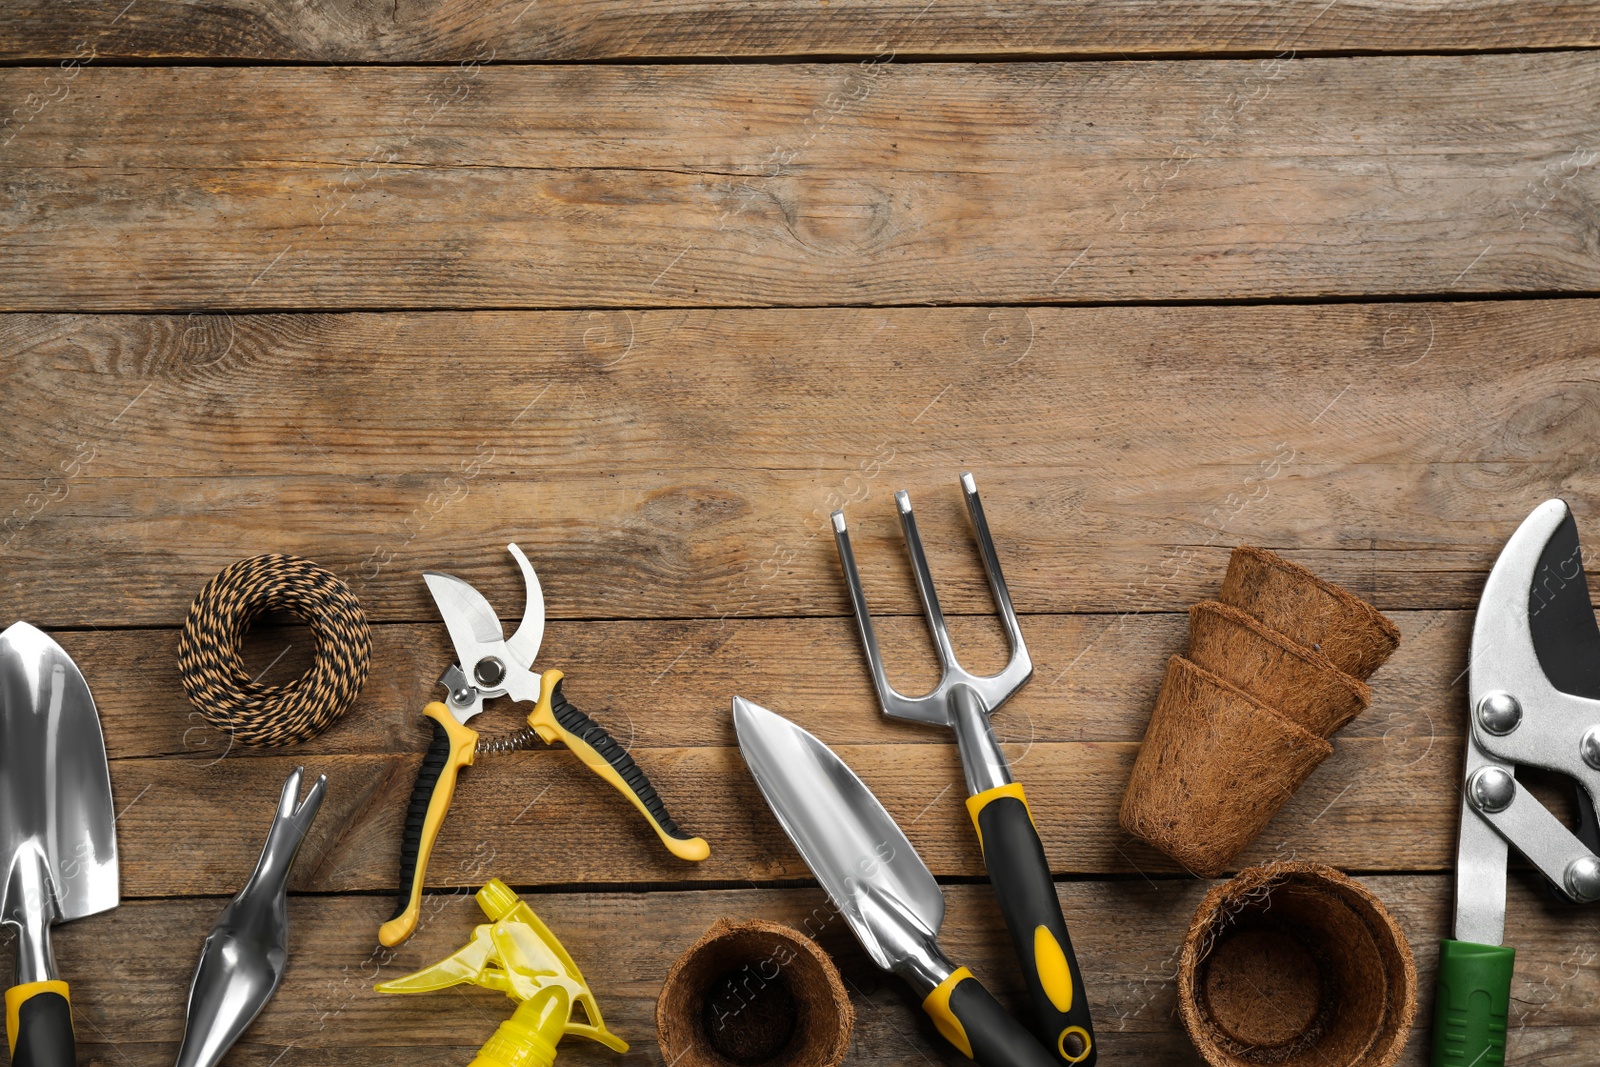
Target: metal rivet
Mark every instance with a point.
(1491, 789)
(489, 671)
(1583, 879)
(463, 697)
(1499, 713)
(1589, 747)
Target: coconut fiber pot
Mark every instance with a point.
(1308, 610)
(753, 994)
(1215, 767)
(1300, 684)
(1296, 964)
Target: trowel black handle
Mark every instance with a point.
(1021, 876)
(39, 1023)
(973, 1021)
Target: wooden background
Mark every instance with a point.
(650, 289)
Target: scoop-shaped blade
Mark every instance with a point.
(58, 836)
(856, 850)
(473, 626)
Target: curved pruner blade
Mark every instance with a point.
(523, 647)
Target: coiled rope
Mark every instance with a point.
(214, 674)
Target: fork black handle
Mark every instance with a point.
(1021, 876)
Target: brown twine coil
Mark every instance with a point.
(214, 674)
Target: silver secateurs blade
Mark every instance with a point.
(1533, 684)
(487, 665)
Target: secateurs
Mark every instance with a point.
(489, 665)
(999, 810)
(517, 954)
(1533, 700)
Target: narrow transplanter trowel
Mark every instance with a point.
(518, 955)
(243, 959)
(1533, 700)
(877, 881)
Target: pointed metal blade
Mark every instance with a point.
(58, 838)
(474, 628)
(523, 647)
(856, 850)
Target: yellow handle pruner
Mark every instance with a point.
(489, 665)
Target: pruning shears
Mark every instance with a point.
(1534, 700)
(489, 665)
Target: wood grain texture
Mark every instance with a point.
(348, 31)
(666, 684)
(683, 463)
(1376, 804)
(799, 184)
(1126, 935)
(345, 388)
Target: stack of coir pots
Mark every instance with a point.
(1276, 665)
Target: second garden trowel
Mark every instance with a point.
(877, 881)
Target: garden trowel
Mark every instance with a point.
(57, 832)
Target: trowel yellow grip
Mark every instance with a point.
(554, 719)
(454, 746)
(39, 1024)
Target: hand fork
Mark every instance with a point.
(1012, 852)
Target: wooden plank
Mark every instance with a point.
(637, 185)
(665, 685)
(454, 30)
(129, 970)
(1376, 804)
(683, 463)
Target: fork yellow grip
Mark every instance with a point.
(1031, 908)
(454, 746)
(554, 719)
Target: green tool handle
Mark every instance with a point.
(1474, 1002)
(1021, 875)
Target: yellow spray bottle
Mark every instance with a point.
(517, 954)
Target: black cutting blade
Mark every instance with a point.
(1566, 638)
